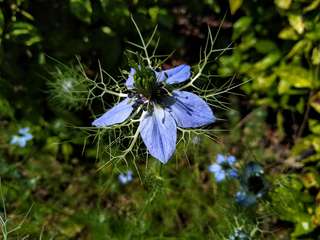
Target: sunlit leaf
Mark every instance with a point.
(262, 82)
(81, 9)
(107, 30)
(240, 26)
(288, 33)
(310, 180)
(287, 200)
(25, 33)
(303, 226)
(301, 46)
(296, 76)
(153, 12)
(312, 6)
(67, 150)
(27, 15)
(234, 5)
(314, 34)
(267, 61)
(284, 4)
(315, 56)
(297, 23)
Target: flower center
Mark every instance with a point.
(225, 166)
(147, 85)
(255, 184)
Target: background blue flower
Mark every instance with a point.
(223, 167)
(252, 185)
(239, 234)
(22, 138)
(245, 198)
(126, 177)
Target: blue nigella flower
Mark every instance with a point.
(252, 185)
(126, 177)
(164, 109)
(245, 198)
(22, 138)
(239, 234)
(224, 167)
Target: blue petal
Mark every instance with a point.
(14, 140)
(159, 133)
(117, 114)
(27, 136)
(233, 173)
(214, 168)
(231, 159)
(190, 111)
(245, 199)
(174, 75)
(220, 176)
(220, 159)
(129, 173)
(130, 80)
(17, 140)
(23, 131)
(22, 142)
(123, 179)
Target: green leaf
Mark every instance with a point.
(25, 33)
(107, 30)
(303, 226)
(248, 41)
(280, 125)
(1, 22)
(267, 61)
(67, 150)
(287, 199)
(302, 46)
(234, 5)
(292, 75)
(316, 143)
(297, 23)
(265, 46)
(27, 15)
(314, 35)
(81, 9)
(315, 56)
(70, 228)
(262, 82)
(240, 26)
(283, 86)
(283, 4)
(104, 3)
(52, 145)
(313, 5)
(288, 33)
(154, 12)
(314, 126)
(5, 108)
(300, 106)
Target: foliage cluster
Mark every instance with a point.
(277, 48)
